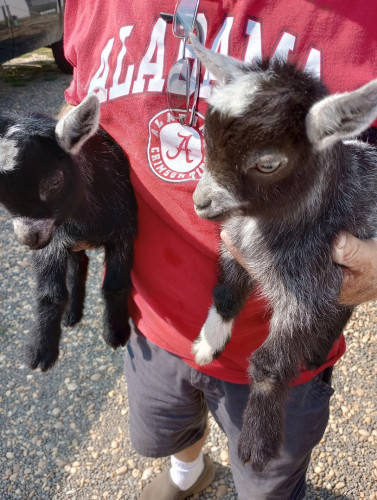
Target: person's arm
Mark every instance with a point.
(359, 261)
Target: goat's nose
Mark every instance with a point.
(202, 204)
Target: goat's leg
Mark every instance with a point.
(77, 270)
(115, 290)
(42, 345)
(292, 341)
(262, 429)
(229, 296)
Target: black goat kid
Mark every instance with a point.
(65, 182)
(281, 177)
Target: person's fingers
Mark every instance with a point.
(359, 261)
(232, 249)
(347, 250)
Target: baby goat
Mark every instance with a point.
(280, 176)
(66, 182)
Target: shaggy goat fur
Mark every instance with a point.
(66, 182)
(280, 176)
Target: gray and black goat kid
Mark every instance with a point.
(65, 182)
(284, 180)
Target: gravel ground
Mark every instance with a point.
(65, 434)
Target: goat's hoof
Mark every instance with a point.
(36, 356)
(256, 450)
(116, 337)
(71, 318)
(212, 338)
(202, 351)
(257, 460)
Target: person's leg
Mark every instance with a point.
(188, 465)
(307, 413)
(168, 416)
(192, 452)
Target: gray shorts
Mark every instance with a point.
(169, 403)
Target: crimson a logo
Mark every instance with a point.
(175, 152)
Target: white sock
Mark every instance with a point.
(185, 474)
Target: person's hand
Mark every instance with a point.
(233, 250)
(359, 261)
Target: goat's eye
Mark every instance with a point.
(268, 166)
(51, 186)
(269, 161)
(55, 182)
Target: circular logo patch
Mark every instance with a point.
(175, 151)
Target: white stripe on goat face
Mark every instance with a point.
(8, 155)
(234, 98)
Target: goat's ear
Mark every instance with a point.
(222, 67)
(342, 116)
(75, 128)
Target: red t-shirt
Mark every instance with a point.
(124, 50)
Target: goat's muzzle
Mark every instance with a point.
(202, 202)
(34, 233)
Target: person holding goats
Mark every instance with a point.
(137, 58)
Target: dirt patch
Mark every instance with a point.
(35, 65)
